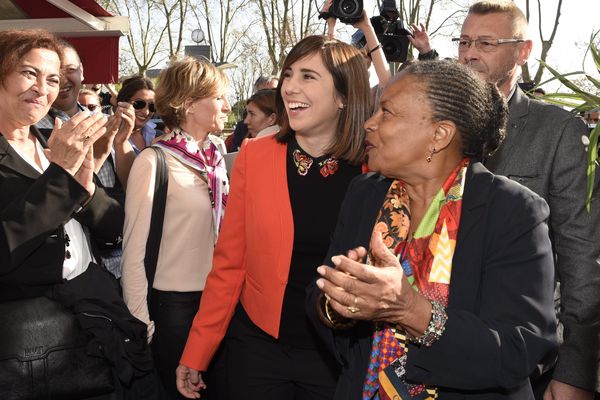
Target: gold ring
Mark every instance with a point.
(353, 309)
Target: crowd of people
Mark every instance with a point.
(427, 238)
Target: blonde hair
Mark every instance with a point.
(517, 18)
(89, 92)
(185, 80)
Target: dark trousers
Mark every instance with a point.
(264, 368)
(172, 313)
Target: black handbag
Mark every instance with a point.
(44, 354)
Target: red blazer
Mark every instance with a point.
(252, 258)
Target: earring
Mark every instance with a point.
(430, 155)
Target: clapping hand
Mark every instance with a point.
(71, 143)
(356, 290)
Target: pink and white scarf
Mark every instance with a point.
(207, 160)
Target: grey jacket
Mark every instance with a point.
(543, 150)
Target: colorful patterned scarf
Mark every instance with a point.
(427, 262)
(208, 161)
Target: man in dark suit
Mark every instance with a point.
(543, 150)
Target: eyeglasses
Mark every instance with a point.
(140, 104)
(485, 45)
(91, 107)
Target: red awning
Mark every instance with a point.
(98, 49)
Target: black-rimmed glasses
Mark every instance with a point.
(485, 45)
(140, 104)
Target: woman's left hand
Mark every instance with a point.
(360, 291)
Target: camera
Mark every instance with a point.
(347, 11)
(391, 32)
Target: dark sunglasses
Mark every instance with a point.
(91, 107)
(140, 104)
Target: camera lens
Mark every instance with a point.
(347, 11)
(349, 7)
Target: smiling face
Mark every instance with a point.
(399, 134)
(70, 82)
(208, 114)
(500, 66)
(143, 114)
(311, 101)
(27, 93)
(257, 120)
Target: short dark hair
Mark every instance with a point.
(264, 100)
(132, 85)
(14, 44)
(456, 94)
(351, 80)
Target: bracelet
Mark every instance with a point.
(330, 317)
(436, 326)
(373, 49)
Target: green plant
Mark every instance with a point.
(581, 100)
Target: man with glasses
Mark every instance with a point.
(543, 150)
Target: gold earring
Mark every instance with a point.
(430, 155)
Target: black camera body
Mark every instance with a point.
(347, 11)
(393, 37)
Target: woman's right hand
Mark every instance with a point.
(71, 141)
(189, 382)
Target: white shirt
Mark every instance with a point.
(78, 246)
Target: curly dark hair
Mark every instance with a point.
(456, 94)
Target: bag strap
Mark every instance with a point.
(158, 215)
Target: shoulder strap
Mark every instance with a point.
(158, 215)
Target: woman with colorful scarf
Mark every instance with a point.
(191, 100)
(454, 297)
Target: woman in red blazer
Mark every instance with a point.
(283, 205)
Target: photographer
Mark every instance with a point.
(371, 49)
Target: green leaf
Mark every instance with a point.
(596, 82)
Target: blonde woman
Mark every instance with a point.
(191, 100)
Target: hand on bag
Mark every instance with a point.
(189, 382)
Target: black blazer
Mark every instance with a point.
(33, 209)
(501, 319)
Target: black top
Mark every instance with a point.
(315, 200)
